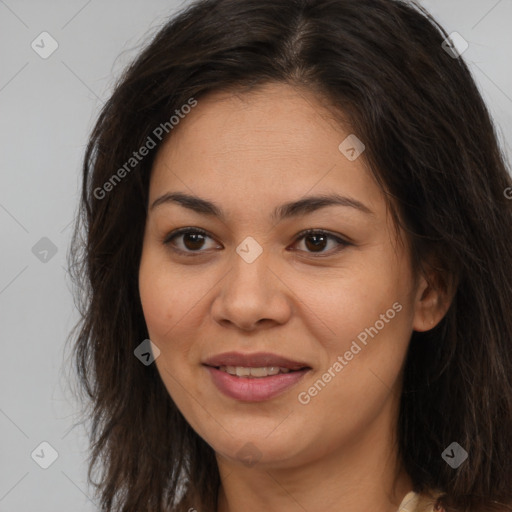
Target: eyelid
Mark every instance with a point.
(181, 231)
(342, 241)
(319, 231)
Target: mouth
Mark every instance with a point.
(254, 377)
(255, 373)
(255, 361)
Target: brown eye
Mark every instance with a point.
(316, 241)
(192, 240)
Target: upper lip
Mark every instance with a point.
(256, 360)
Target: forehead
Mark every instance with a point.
(264, 144)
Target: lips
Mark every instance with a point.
(250, 389)
(256, 360)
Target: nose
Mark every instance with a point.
(252, 295)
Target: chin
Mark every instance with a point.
(258, 450)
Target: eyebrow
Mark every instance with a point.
(291, 209)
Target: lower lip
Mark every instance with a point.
(254, 389)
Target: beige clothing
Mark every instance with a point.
(414, 502)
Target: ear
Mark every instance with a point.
(434, 295)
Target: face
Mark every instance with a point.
(340, 302)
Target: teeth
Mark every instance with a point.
(242, 371)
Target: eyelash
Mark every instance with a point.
(303, 234)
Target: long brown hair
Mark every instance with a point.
(431, 145)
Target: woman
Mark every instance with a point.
(297, 248)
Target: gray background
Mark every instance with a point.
(47, 109)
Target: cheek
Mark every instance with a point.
(153, 300)
(164, 304)
(345, 305)
(172, 303)
(366, 314)
(158, 297)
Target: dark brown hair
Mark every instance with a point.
(432, 147)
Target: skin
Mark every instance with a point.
(249, 153)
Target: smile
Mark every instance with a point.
(241, 371)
